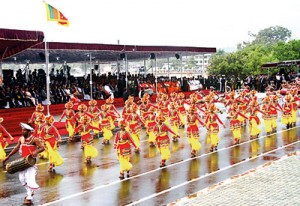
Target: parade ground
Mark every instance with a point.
(262, 171)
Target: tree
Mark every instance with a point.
(271, 35)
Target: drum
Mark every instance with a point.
(20, 164)
(283, 91)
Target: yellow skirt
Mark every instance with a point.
(96, 124)
(286, 119)
(294, 116)
(165, 153)
(107, 134)
(44, 154)
(151, 137)
(112, 124)
(274, 123)
(125, 164)
(2, 153)
(268, 123)
(214, 138)
(175, 129)
(182, 118)
(194, 142)
(254, 129)
(70, 129)
(236, 133)
(90, 151)
(54, 156)
(136, 140)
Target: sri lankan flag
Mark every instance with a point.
(54, 14)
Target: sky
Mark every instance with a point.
(210, 23)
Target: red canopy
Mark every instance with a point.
(14, 41)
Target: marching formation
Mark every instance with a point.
(161, 121)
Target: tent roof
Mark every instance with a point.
(287, 63)
(14, 41)
(79, 52)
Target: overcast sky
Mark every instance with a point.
(209, 23)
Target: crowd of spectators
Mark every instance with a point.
(22, 91)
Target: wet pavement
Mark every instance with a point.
(75, 183)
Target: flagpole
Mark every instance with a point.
(47, 78)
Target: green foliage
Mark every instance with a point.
(269, 45)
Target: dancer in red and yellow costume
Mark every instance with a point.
(150, 124)
(106, 125)
(174, 120)
(242, 101)
(51, 138)
(287, 109)
(235, 123)
(38, 113)
(267, 117)
(123, 143)
(134, 126)
(163, 106)
(70, 119)
(273, 111)
(127, 107)
(39, 124)
(295, 99)
(94, 110)
(3, 140)
(84, 128)
(192, 121)
(111, 107)
(181, 109)
(162, 139)
(254, 121)
(212, 125)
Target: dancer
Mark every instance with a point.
(3, 139)
(235, 123)
(27, 145)
(70, 120)
(193, 130)
(38, 113)
(95, 119)
(134, 127)
(287, 111)
(254, 121)
(150, 124)
(174, 120)
(106, 125)
(211, 122)
(162, 139)
(123, 143)
(52, 139)
(84, 128)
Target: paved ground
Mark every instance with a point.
(276, 183)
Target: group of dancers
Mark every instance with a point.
(162, 122)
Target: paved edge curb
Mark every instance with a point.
(230, 180)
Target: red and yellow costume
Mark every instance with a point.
(254, 121)
(287, 109)
(163, 106)
(212, 125)
(38, 113)
(106, 124)
(49, 134)
(193, 130)
(75, 101)
(174, 119)
(235, 123)
(162, 139)
(273, 112)
(150, 124)
(134, 126)
(94, 111)
(3, 142)
(84, 128)
(122, 143)
(70, 119)
(267, 117)
(182, 113)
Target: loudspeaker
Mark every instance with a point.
(152, 56)
(96, 67)
(42, 56)
(177, 56)
(122, 56)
